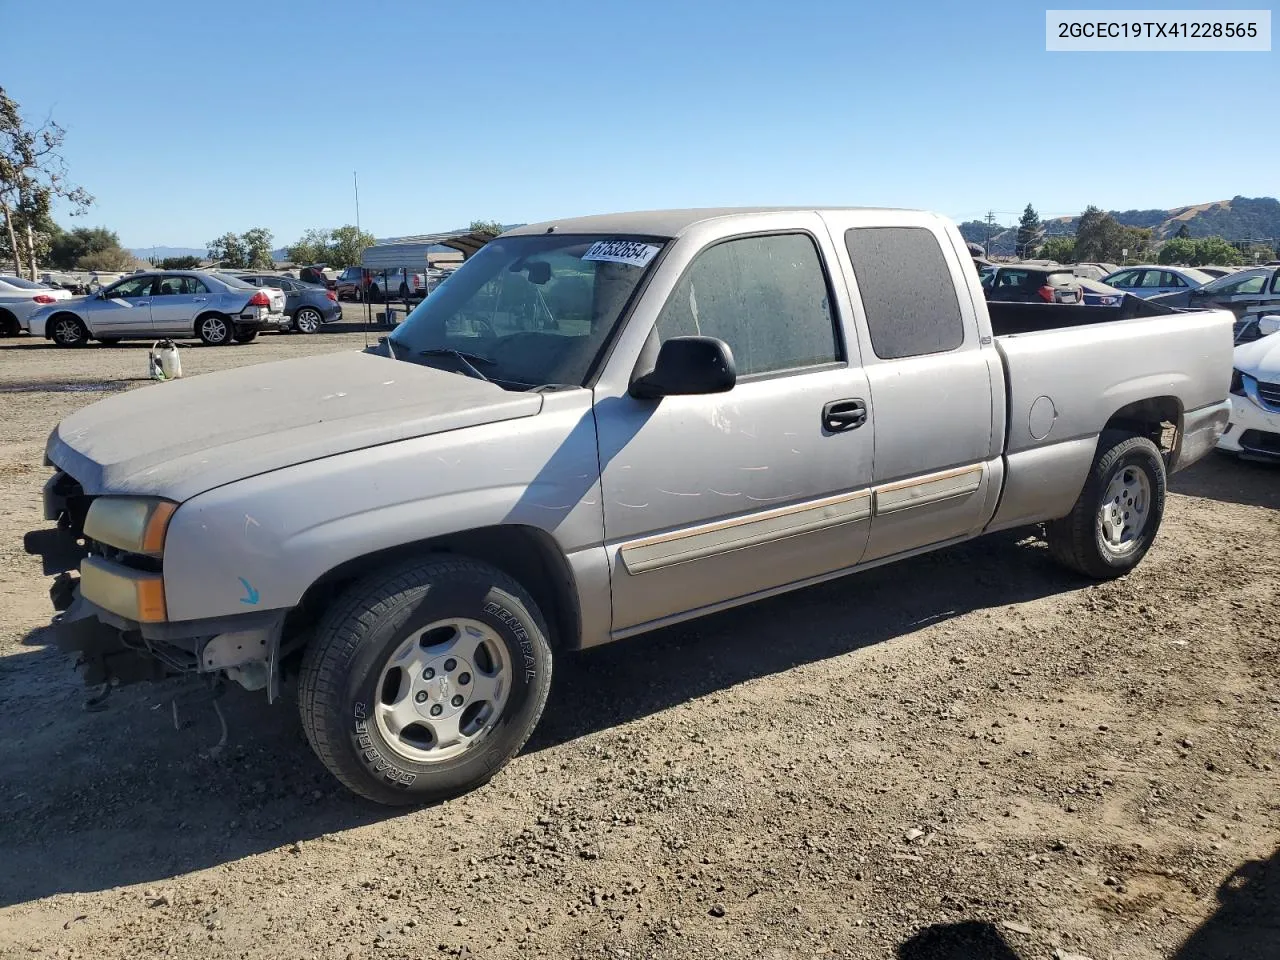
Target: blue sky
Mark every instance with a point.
(189, 120)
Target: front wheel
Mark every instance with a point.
(68, 331)
(214, 330)
(1115, 520)
(424, 679)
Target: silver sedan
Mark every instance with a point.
(217, 308)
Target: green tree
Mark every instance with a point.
(1100, 237)
(1215, 250)
(179, 263)
(312, 247)
(111, 260)
(33, 174)
(346, 246)
(257, 246)
(228, 250)
(1028, 230)
(1137, 240)
(1061, 249)
(1183, 233)
(1178, 250)
(68, 247)
(492, 227)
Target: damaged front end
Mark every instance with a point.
(109, 598)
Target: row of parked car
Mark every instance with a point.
(217, 307)
(1249, 292)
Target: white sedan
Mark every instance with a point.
(1254, 430)
(20, 298)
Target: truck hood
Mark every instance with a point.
(184, 437)
(1260, 359)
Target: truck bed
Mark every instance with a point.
(1013, 318)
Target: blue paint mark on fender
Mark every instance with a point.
(251, 595)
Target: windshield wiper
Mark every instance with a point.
(466, 359)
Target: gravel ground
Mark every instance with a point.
(967, 755)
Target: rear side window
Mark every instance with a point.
(1125, 279)
(766, 297)
(907, 291)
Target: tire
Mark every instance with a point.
(68, 330)
(9, 326)
(351, 688)
(109, 341)
(307, 320)
(1103, 537)
(215, 330)
(246, 336)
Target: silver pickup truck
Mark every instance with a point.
(596, 428)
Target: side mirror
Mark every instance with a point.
(688, 366)
(1269, 324)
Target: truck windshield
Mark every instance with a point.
(528, 311)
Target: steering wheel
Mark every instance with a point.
(484, 328)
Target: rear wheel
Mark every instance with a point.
(424, 679)
(1115, 520)
(214, 330)
(307, 320)
(67, 330)
(9, 326)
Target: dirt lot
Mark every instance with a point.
(968, 755)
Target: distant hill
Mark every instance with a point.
(1240, 218)
(154, 254)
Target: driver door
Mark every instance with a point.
(712, 498)
(124, 310)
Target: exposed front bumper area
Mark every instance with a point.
(1254, 432)
(112, 649)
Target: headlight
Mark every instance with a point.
(135, 524)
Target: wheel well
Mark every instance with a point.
(195, 327)
(48, 326)
(1159, 419)
(525, 554)
(7, 319)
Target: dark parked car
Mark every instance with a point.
(1249, 294)
(315, 274)
(352, 283)
(1030, 283)
(306, 305)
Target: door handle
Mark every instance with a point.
(199, 299)
(143, 303)
(844, 415)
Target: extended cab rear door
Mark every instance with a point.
(934, 375)
(712, 498)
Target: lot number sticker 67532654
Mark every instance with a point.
(633, 253)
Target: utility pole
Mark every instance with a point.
(991, 222)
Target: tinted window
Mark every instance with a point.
(1124, 279)
(180, 286)
(1007, 278)
(137, 287)
(907, 291)
(766, 297)
(1173, 280)
(1230, 286)
(1275, 283)
(234, 282)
